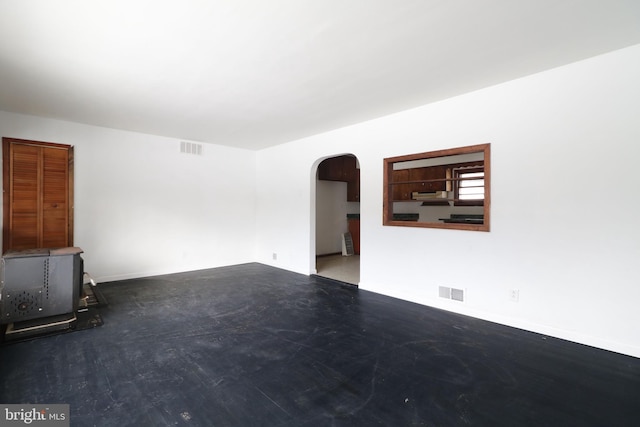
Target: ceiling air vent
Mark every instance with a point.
(191, 148)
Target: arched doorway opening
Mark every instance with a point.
(337, 219)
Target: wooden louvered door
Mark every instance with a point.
(38, 195)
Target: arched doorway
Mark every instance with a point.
(337, 219)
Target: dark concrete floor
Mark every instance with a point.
(253, 345)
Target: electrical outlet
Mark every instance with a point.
(274, 256)
(514, 295)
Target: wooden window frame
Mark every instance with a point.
(456, 186)
(388, 183)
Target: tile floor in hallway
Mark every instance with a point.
(343, 268)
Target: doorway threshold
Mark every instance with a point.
(341, 268)
(331, 281)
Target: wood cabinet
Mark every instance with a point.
(354, 229)
(353, 187)
(430, 178)
(401, 188)
(421, 180)
(38, 195)
(336, 168)
(342, 168)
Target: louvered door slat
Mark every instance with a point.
(24, 211)
(55, 218)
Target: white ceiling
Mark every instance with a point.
(256, 73)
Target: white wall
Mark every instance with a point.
(142, 208)
(331, 216)
(565, 149)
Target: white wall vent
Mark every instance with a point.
(451, 293)
(191, 148)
